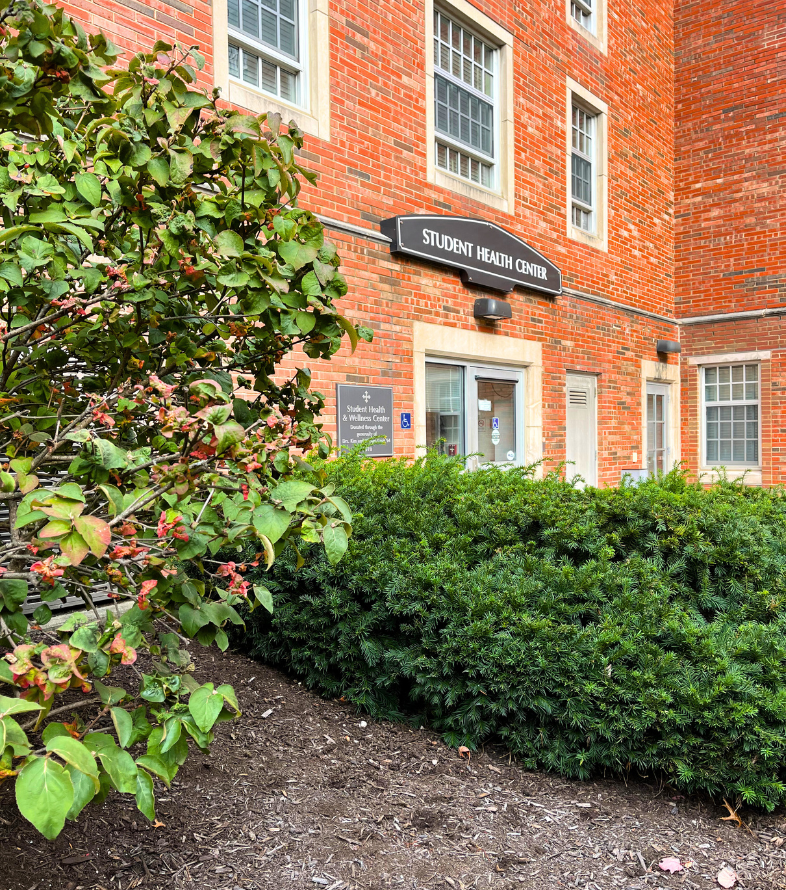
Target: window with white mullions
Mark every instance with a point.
(464, 98)
(583, 168)
(731, 406)
(582, 12)
(264, 46)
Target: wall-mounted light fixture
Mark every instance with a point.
(492, 310)
(667, 346)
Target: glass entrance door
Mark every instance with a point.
(657, 428)
(496, 416)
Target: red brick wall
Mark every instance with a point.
(730, 200)
(730, 151)
(374, 166)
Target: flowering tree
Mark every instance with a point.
(155, 269)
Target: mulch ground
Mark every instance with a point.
(305, 793)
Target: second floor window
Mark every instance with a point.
(264, 46)
(581, 10)
(582, 165)
(465, 102)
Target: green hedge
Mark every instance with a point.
(638, 629)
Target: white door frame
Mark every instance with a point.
(472, 370)
(660, 389)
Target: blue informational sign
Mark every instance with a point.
(495, 423)
(406, 420)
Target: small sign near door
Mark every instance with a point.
(365, 412)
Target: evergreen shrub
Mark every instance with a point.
(634, 630)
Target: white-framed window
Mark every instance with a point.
(466, 118)
(586, 166)
(583, 168)
(731, 415)
(265, 48)
(583, 13)
(588, 18)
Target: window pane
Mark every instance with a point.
(250, 68)
(461, 115)
(712, 450)
(269, 73)
(724, 375)
(250, 21)
(581, 179)
(233, 9)
(234, 61)
(445, 408)
(711, 393)
(711, 375)
(751, 372)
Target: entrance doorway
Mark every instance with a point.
(476, 410)
(658, 446)
(581, 428)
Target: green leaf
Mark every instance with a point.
(109, 695)
(234, 279)
(347, 325)
(264, 596)
(44, 795)
(55, 529)
(342, 506)
(75, 753)
(86, 637)
(205, 705)
(11, 273)
(145, 796)
(229, 243)
(84, 791)
(124, 726)
(292, 492)
(181, 164)
(109, 455)
(121, 768)
(155, 765)
(158, 168)
(54, 731)
(15, 737)
(271, 522)
(173, 729)
(10, 706)
(13, 592)
(192, 619)
(42, 615)
(89, 187)
(229, 696)
(334, 537)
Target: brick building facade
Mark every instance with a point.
(638, 147)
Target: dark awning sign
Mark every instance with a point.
(486, 254)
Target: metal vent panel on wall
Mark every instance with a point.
(578, 397)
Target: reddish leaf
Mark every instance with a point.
(727, 877)
(670, 864)
(96, 533)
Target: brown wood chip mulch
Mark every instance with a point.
(304, 793)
